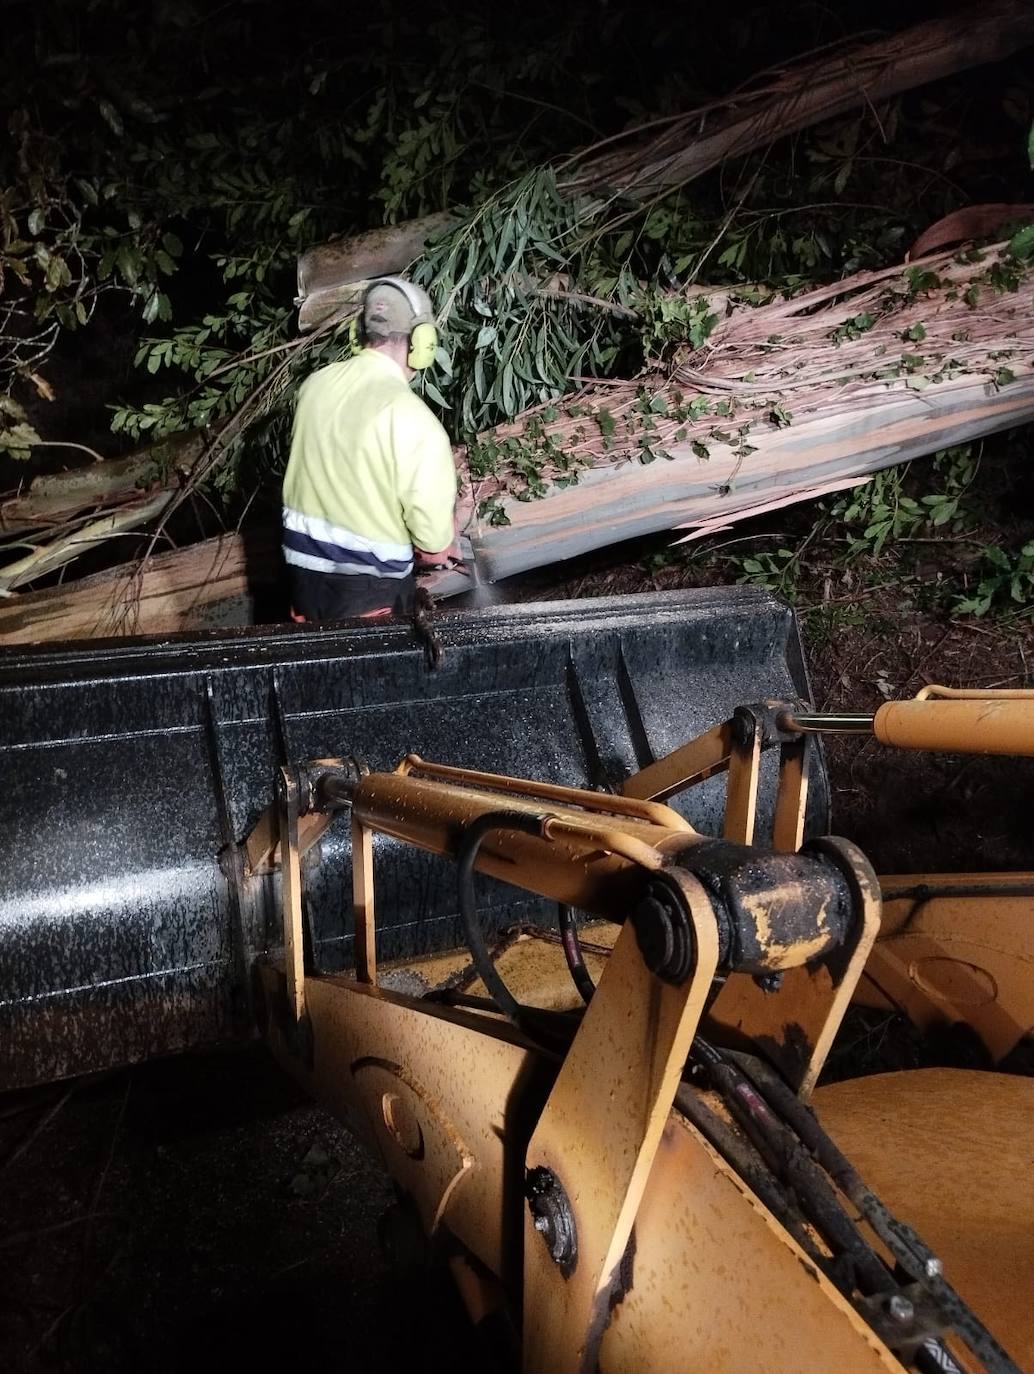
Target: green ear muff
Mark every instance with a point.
(423, 344)
(355, 337)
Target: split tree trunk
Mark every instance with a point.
(828, 449)
(65, 513)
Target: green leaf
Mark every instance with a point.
(172, 245)
(606, 423)
(111, 117)
(36, 220)
(1021, 245)
(436, 395)
(127, 260)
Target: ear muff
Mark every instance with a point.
(423, 345)
(355, 335)
(423, 338)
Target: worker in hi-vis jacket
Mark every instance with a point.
(370, 486)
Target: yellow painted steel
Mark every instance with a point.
(591, 859)
(598, 1134)
(718, 1285)
(961, 725)
(957, 947)
(681, 1265)
(715, 1281)
(949, 1151)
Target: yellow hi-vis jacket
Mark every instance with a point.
(370, 472)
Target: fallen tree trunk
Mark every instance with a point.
(184, 589)
(783, 403)
(681, 149)
(800, 394)
(828, 450)
(47, 558)
(54, 497)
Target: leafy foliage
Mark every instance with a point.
(518, 329)
(858, 529)
(1005, 583)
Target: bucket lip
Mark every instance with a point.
(265, 645)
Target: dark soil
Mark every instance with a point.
(198, 1214)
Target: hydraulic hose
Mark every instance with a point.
(572, 948)
(466, 857)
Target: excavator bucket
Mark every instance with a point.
(130, 920)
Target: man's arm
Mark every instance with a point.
(427, 484)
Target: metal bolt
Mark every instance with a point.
(900, 1308)
(663, 933)
(933, 1267)
(552, 1217)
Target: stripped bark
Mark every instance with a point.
(640, 168)
(831, 446)
(807, 392)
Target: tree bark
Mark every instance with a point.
(828, 447)
(55, 497)
(179, 590)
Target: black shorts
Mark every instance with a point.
(341, 596)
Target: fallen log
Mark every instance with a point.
(785, 398)
(639, 168)
(48, 557)
(826, 450)
(784, 402)
(53, 498)
(183, 589)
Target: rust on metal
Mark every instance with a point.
(797, 1020)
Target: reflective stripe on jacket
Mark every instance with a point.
(370, 472)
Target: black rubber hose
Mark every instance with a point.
(573, 953)
(738, 1151)
(899, 1238)
(466, 857)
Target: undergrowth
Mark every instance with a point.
(947, 535)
